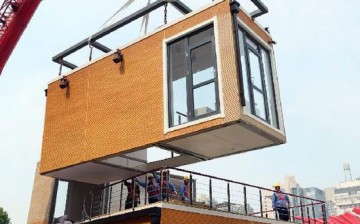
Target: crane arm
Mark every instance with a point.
(14, 18)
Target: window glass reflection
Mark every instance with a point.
(204, 100)
(202, 64)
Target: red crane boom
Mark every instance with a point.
(14, 18)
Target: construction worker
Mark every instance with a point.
(166, 187)
(152, 188)
(280, 203)
(130, 196)
(185, 189)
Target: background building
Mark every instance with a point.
(347, 196)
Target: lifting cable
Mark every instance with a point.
(91, 47)
(165, 12)
(61, 65)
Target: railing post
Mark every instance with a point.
(101, 202)
(308, 214)
(324, 213)
(191, 189)
(245, 201)
(91, 205)
(302, 211)
(167, 185)
(313, 211)
(133, 193)
(161, 184)
(261, 204)
(121, 195)
(210, 193)
(146, 189)
(110, 196)
(228, 196)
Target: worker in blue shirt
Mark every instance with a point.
(166, 187)
(152, 188)
(185, 189)
(280, 203)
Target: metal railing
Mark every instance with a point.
(205, 191)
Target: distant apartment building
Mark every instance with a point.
(267, 204)
(235, 208)
(347, 196)
(330, 205)
(292, 187)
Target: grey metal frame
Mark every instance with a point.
(252, 87)
(59, 58)
(262, 9)
(190, 87)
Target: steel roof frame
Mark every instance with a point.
(59, 58)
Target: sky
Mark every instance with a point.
(317, 55)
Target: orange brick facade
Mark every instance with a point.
(109, 110)
(170, 216)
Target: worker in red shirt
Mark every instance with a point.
(152, 188)
(185, 189)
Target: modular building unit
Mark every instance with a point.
(203, 87)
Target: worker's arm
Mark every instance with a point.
(273, 200)
(172, 188)
(182, 192)
(142, 184)
(157, 178)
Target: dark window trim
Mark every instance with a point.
(273, 87)
(189, 76)
(251, 86)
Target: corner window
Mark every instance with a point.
(258, 80)
(192, 77)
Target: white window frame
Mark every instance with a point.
(185, 33)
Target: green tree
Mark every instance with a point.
(4, 218)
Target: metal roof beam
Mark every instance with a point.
(262, 9)
(136, 15)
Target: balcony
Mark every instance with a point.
(207, 195)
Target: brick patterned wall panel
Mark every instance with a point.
(64, 130)
(170, 216)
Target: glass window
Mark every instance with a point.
(202, 64)
(259, 104)
(270, 90)
(204, 105)
(193, 87)
(252, 44)
(255, 72)
(244, 72)
(178, 75)
(257, 76)
(201, 36)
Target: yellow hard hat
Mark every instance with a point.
(150, 175)
(165, 171)
(277, 184)
(186, 178)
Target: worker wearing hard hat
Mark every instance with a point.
(167, 188)
(280, 203)
(152, 188)
(185, 189)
